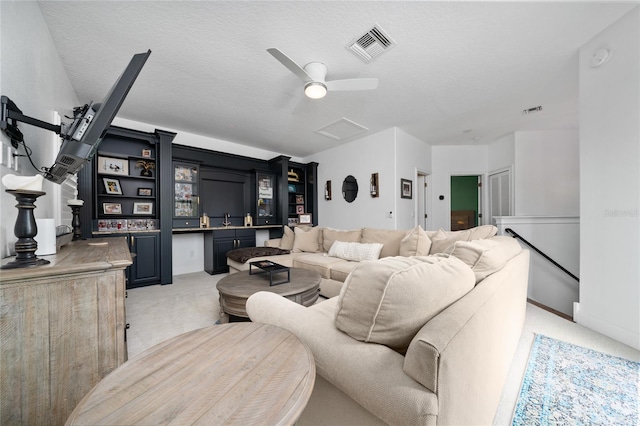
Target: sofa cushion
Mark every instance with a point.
(387, 301)
(415, 243)
(442, 240)
(340, 271)
(485, 256)
(307, 239)
(355, 251)
(288, 237)
(482, 232)
(391, 239)
(319, 262)
(330, 235)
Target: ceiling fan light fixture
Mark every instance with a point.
(315, 90)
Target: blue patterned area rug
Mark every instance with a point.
(567, 384)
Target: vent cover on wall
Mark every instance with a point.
(372, 44)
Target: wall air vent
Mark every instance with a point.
(372, 44)
(532, 110)
(341, 129)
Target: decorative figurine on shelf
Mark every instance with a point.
(146, 167)
(226, 222)
(76, 205)
(204, 221)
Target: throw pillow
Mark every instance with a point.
(442, 240)
(482, 232)
(306, 240)
(415, 243)
(485, 256)
(389, 237)
(330, 235)
(387, 301)
(355, 251)
(288, 237)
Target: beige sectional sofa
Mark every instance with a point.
(310, 246)
(411, 340)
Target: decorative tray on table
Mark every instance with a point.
(271, 268)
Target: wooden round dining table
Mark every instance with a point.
(240, 373)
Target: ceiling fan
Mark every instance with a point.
(313, 74)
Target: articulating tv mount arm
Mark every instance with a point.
(11, 114)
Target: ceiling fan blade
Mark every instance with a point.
(287, 62)
(352, 84)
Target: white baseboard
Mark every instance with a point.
(604, 327)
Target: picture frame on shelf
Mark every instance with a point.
(406, 188)
(113, 166)
(112, 208)
(146, 153)
(299, 209)
(299, 199)
(142, 208)
(304, 218)
(291, 187)
(145, 192)
(112, 186)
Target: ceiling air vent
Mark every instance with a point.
(341, 129)
(371, 45)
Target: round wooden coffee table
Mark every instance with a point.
(235, 289)
(236, 374)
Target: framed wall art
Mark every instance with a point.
(142, 208)
(112, 186)
(112, 208)
(113, 166)
(304, 218)
(406, 188)
(145, 192)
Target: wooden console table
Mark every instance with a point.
(243, 374)
(62, 329)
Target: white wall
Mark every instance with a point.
(502, 153)
(558, 238)
(33, 77)
(547, 177)
(450, 161)
(412, 155)
(392, 154)
(610, 181)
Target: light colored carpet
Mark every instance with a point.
(156, 313)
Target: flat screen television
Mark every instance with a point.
(90, 124)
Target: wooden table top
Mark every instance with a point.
(242, 373)
(76, 257)
(243, 285)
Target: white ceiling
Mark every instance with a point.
(461, 72)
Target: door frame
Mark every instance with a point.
(509, 170)
(482, 195)
(423, 196)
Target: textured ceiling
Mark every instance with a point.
(461, 72)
